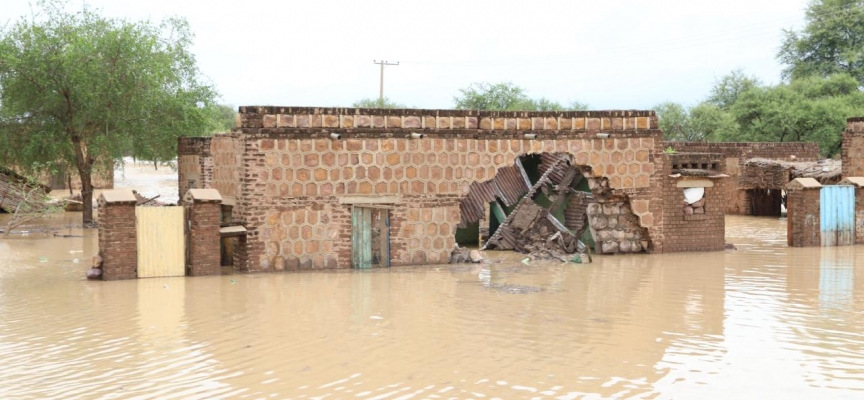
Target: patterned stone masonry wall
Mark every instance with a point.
(736, 154)
(853, 148)
(615, 228)
(117, 238)
(295, 184)
(227, 153)
(302, 179)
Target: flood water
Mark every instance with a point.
(764, 321)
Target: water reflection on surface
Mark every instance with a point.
(762, 321)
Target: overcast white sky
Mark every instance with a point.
(611, 54)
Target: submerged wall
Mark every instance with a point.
(734, 155)
(296, 183)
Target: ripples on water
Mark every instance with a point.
(764, 321)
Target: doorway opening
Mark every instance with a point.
(765, 202)
(370, 237)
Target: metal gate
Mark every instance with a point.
(837, 215)
(161, 241)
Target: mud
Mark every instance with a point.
(765, 321)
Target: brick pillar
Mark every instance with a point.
(118, 244)
(858, 182)
(802, 213)
(203, 208)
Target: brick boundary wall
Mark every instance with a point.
(734, 155)
(697, 232)
(202, 209)
(118, 245)
(803, 214)
(852, 151)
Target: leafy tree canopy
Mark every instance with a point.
(507, 97)
(376, 103)
(812, 109)
(832, 42)
(80, 90)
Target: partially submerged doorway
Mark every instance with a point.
(765, 202)
(370, 236)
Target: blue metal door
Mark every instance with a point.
(837, 215)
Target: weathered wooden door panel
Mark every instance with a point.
(161, 241)
(837, 215)
(370, 237)
(361, 237)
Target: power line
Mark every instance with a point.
(381, 81)
(630, 50)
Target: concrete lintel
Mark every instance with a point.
(370, 199)
(115, 196)
(231, 231)
(804, 183)
(856, 181)
(694, 183)
(203, 195)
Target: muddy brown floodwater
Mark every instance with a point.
(765, 321)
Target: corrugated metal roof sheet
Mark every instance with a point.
(574, 213)
(473, 206)
(548, 160)
(510, 184)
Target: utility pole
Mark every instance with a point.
(381, 82)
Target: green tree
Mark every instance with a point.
(831, 42)
(226, 118)
(79, 90)
(489, 96)
(506, 96)
(709, 122)
(813, 109)
(375, 103)
(727, 89)
(674, 120)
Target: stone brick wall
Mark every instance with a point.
(204, 242)
(704, 227)
(194, 164)
(117, 239)
(227, 153)
(696, 232)
(296, 182)
(615, 228)
(313, 120)
(734, 156)
(853, 148)
(803, 217)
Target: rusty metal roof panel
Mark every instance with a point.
(548, 160)
(574, 213)
(473, 206)
(510, 184)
